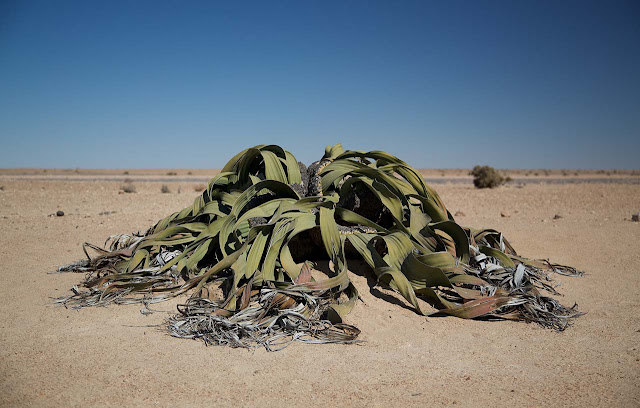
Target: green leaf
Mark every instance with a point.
(256, 250)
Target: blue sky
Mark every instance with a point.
(513, 84)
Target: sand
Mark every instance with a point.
(51, 356)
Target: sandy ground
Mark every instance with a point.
(51, 356)
(200, 174)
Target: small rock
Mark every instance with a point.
(504, 215)
(635, 217)
(459, 214)
(557, 217)
(60, 213)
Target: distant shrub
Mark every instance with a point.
(172, 173)
(165, 189)
(486, 177)
(199, 187)
(190, 173)
(128, 188)
(126, 172)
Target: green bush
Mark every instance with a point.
(486, 177)
(128, 188)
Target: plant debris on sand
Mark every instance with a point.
(243, 251)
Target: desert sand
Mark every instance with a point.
(51, 356)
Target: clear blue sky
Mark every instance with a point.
(512, 84)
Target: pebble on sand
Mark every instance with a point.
(557, 217)
(635, 217)
(504, 214)
(60, 213)
(459, 214)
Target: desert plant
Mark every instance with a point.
(172, 173)
(255, 229)
(486, 177)
(128, 188)
(165, 189)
